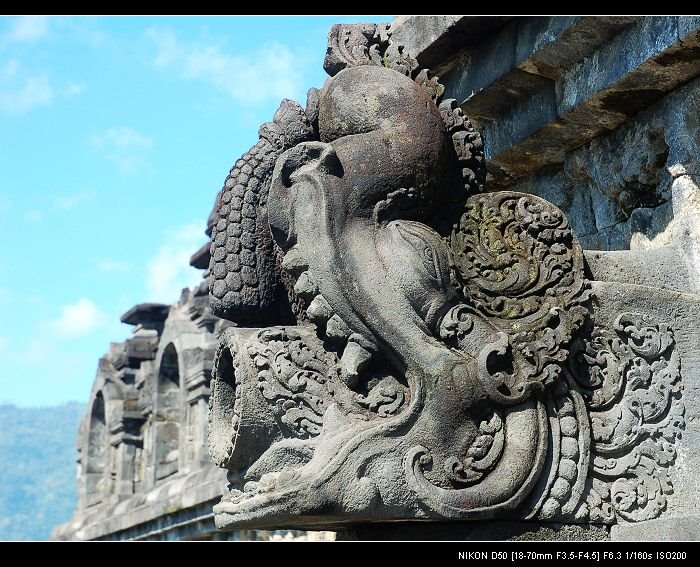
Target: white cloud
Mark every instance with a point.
(123, 138)
(10, 69)
(66, 202)
(34, 216)
(126, 147)
(110, 266)
(18, 95)
(3, 343)
(271, 72)
(169, 271)
(21, 90)
(28, 28)
(5, 204)
(60, 202)
(77, 319)
(73, 89)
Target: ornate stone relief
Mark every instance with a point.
(444, 363)
(630, 375)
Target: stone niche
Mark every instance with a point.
(143, 468)
(467, 303)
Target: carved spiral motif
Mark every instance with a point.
(467, 144)
(631, 376)
(292, 377)
(515, 253)
(354, 45)
(520, 266)
(482, 455)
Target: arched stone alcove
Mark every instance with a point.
(168, 414)
(96, 463)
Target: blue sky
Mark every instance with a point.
(115, 136)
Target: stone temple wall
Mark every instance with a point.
(143, 468)
(597, 115)
(144, 472)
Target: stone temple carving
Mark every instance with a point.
(435, 351)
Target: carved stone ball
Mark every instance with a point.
(387, 133)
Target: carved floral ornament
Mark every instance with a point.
(432, 354)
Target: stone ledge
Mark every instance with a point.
(683, 528)
(179, 496)
(663, 268)
(475, 531)
(436, 41)
(540, 87)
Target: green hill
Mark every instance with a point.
(37, 469)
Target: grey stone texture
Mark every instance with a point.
(469, 300)
(484, 530)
